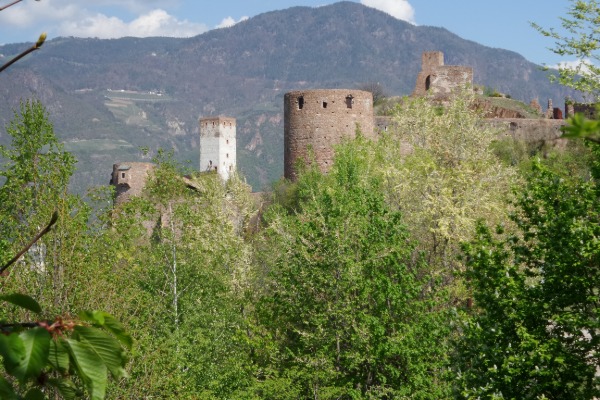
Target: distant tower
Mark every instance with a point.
(129, 179)
(316, 120)
(217, 145)
(439, 79)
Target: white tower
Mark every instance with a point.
(217, 145)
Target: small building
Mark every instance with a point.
(218, 145)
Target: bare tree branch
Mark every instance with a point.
(35, 47)
(35, 239)
(11, 4)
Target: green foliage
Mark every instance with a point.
(580, 40)
(441, 171)
(534, 330)
(346, 312)
(64, 356)
(187, 267)
(51, 354)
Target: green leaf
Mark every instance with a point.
(109, 323)
(90, 368)
(66, 388)
(34, 394)
(37, 343)
(58, 356)
(12, 350)
(104, 346)
(23, 301)
(6, 390)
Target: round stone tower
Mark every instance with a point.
(129, 179)
(316, 120)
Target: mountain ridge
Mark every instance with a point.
(242, 71)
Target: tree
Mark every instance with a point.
(534, 330)
(185, 284)
(46, 357)
(65, 355)
(346, 312)
(376, 89)
(440, 170)
(581, 40)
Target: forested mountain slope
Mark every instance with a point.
(242, 71)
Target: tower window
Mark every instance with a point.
(324, 104)
(428, 82)
(349, 101)
(300, 102)
(122, 174)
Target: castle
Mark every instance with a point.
(317, 120)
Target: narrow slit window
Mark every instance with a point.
(122, 174)
(300, 102)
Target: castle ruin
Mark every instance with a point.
(129, 179)
(316, 120)
(218, 145)
(438, 79)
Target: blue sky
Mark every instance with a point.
(503, 24)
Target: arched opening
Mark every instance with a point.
(427, 82)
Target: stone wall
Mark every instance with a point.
(587, 109)
(529, 130)
(129, 179)
(438, 79)
(218, 145)
(316, 120)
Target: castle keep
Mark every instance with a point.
(439, 79)
(316, 120)
(218, 145)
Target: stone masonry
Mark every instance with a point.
(218, 145)
(439, 79)
(129, 179)
(316, 120)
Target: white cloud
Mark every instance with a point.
(154, 23)
(74, 18)
(229, 21)
(580, 65)
(400, 9)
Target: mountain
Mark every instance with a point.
(109, 98)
